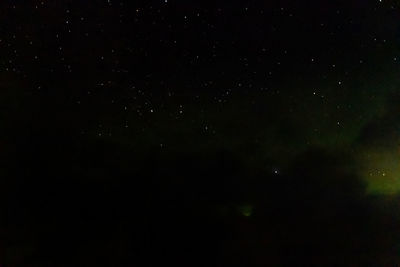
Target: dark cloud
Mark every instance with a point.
(93, 203)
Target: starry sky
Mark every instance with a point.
(235, 117)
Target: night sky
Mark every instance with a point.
(187, 133)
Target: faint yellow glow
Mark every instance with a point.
(381, 171)
(246, 210)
